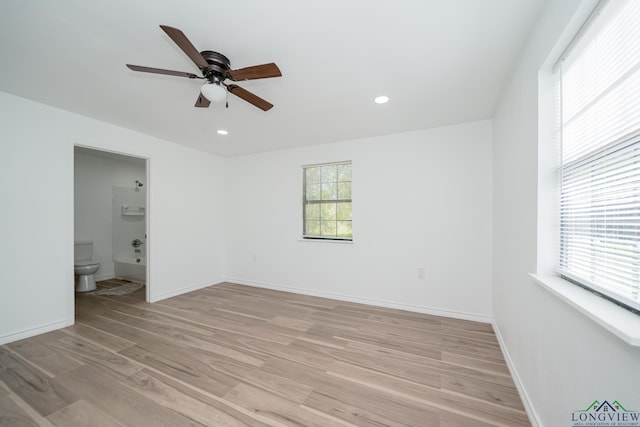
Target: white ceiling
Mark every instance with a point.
(440, 61)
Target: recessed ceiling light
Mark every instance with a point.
(222, 132)
(381, 100)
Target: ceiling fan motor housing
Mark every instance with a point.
(219, 65)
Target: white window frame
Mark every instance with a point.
(620, 322)
(305, 202)
(598, 245)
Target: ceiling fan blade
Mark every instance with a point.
(249, 97)
(202, 102)
(256, 72)
(162, 71)
(183, 43)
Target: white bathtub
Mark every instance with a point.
(131, 269)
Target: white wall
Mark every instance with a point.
(421, 199)
(94, 179)
(562, 360)
(36, 232)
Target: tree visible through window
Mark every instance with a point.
(327, 201)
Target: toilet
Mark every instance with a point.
(84, 266)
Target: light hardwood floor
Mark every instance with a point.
(231, 355)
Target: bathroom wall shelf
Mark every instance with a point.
(132, 210)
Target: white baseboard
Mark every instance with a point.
(364, 300)
(526, 401)
(176, 292)
(15, 336)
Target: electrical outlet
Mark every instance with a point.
(421, 273)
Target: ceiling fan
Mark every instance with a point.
(215, 68)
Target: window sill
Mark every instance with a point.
(620, 322)
(338, 241)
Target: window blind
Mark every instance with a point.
(600, 176)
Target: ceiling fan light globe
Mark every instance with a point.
(214, 92)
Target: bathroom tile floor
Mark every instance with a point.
(232, 355)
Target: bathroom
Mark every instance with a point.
(110, 198)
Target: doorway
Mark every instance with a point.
(111, 213)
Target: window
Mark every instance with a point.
(327, 201)
(600, 155)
